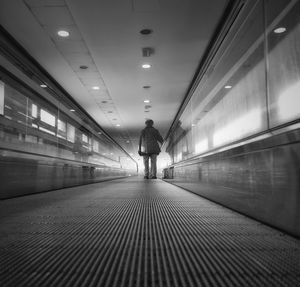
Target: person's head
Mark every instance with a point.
(149, 123)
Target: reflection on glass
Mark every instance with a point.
(240, 127)
(47, 131)
(1, 98)
(84, 138)
(289, 103)
(284, 61)
(96, 146)
(34, 111)
(201, 146)
(179, 156)
(70, 133)
(47, 118)
(33, 125)
(61, 126)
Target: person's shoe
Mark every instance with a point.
(146, 177)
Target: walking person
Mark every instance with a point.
(149, 139)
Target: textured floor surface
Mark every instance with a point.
(138, 233)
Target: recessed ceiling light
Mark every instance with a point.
(146, 31)
(228, 87)
(43, 86)
(72, 110)
(99, 133)
(128, 141)
(118, 125)
(280, 30)
(63, 33)
(95, 88)
(146, 101)
(146, 66)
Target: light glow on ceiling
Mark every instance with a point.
(43, 86)
(95, 88)
(146, 101)
(63, 33)
(280, 30)
(72, 110)
(228, 87)
(118, 125)
(146, 66)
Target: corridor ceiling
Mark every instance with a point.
(105, 37)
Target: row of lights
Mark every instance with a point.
(146, 65)
(65, 34)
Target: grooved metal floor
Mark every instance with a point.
(138, 233)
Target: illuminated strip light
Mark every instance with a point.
(201, 146)
(62, 137)
(27, 116)
(244, 125)
(289, 103)
(47, 131)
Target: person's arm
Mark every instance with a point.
(140, 144)
(159, 137)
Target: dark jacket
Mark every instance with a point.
(149, 140)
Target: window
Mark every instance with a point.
(96, 146)
(62, 126)
(47, 118)
(85, 138)
(34, 111)
(70, 133)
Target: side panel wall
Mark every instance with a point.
(21, 176)
(261, 180)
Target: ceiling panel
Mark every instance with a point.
(52, 16)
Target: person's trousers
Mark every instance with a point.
(152, 157)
